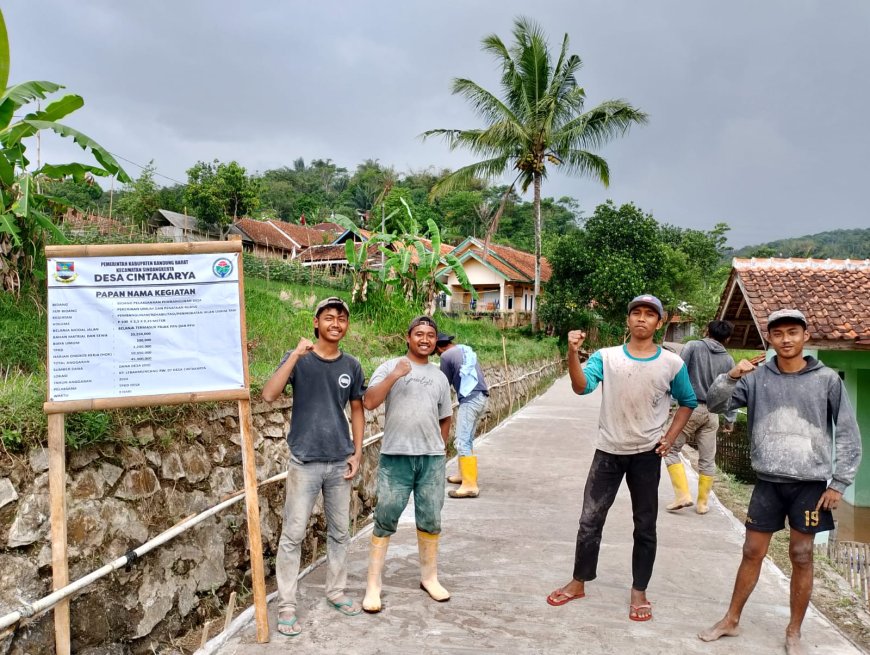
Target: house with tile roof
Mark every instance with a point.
(503, 277)
(278, 239)
(834, 295)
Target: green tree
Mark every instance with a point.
(218, 193)
(539, 120)
(83, 195)
(141, 198)
(25, 221)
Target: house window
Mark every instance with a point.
(510, 300)
(284, 255)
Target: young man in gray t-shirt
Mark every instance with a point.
(323, 458)
(416, 428)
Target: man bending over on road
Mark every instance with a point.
(416, 429)
(322, 456)
(794, 402)
(638, 381)
(459, 363)
(705, 360)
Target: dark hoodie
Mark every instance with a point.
(791, 422)
(706, 359)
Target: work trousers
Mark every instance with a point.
(642, 472)
(467, 417)
(704, 425)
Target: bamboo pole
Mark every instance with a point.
(57, 493)
(507, 375)
(89, 404)
(120, 249)
(249, 466)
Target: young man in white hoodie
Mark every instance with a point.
(795, 403)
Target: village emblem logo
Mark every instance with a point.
(222, 267)
(65, 272)
(344, 380)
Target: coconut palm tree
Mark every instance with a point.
(538, 121)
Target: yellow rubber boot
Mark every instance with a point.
(468, 470)
(705, 484)
(682, 497)
(377, 556)
(428, 547)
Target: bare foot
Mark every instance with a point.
(793, 644)
(725, 628)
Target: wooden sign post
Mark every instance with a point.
(138, 325)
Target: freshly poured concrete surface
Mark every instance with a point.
(502, 553)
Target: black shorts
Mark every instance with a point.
(771, 502)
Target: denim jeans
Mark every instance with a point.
(467, 417)
(642, 473)
(398, 476)
(304, 483)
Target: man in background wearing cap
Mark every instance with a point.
(705, 360)
(322, 455)
(795, 403)
(638, 381)
(416, 429)
(459, 364)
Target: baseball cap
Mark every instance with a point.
(422, 320)
(649, 301)
(332, 301)
(786, 315)
(444, 338)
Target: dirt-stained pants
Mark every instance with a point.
(704, 426)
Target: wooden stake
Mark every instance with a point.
(231, 609)
(508, 375)
(255, 540)
(57, 493)
(249, 466)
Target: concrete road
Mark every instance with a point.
(501, 554)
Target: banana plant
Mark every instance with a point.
(24, 221)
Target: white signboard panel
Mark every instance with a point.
(143, 325)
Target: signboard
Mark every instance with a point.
(145, 324)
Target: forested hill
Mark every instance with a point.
(836, 244)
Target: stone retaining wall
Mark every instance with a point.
(120, 494)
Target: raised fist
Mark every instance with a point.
(743, 367)
(303, 347)
(575, 340)
(403, 367)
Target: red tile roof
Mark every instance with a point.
(329, 253)
(304, 235)
(515, 265)
(833, 294)
(265, 233)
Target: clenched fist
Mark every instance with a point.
(743, 367)
(403, 367)
(575, 340)
(303, 347)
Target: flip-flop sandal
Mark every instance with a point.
(634, 609)
(567, 598)
(291, 624)
(345, 607)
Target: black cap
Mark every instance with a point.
(422, 320)
(444, 338)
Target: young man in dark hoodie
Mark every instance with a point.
(794, 403)
(705, 359)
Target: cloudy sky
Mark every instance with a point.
(757, 108)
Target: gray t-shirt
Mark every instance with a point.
(414, 407)
(321, 390)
